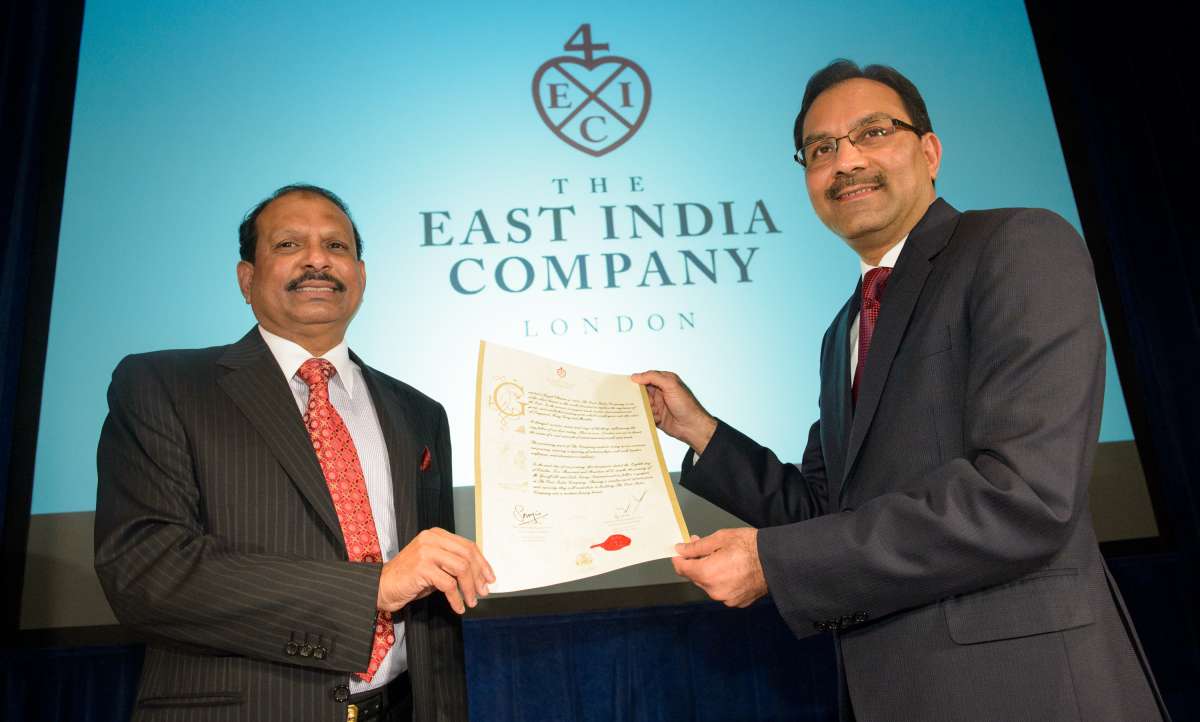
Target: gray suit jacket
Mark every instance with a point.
(217, 539)
(941, 529)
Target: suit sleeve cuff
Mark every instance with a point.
(691, 460)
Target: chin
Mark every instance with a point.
(317, 315)
(853, 231)
(863, 223)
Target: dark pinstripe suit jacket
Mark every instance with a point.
(216, 538)
(941, 529)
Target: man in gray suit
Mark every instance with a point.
(272, 582)
(938, 523)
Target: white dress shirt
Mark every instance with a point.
(888, 261)
(348, 394)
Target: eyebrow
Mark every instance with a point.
(283, 233)
(857, 124)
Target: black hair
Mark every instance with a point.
(842, 70)
(248, 230)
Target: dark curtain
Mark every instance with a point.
(39, 51)
(84, 684)
(698, 662)
(1124, 93)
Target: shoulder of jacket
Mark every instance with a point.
(174, 360)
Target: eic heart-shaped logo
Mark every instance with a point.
(592, 104)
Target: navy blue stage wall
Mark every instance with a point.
(1120, 104)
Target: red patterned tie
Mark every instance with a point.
(343, 473)
(872, 294)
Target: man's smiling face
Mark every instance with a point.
(306, 280)
(869, 198)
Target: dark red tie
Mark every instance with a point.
(872, 295)
(348, 488)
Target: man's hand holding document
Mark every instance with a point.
(569, 476)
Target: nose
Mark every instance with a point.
(848, 159)
(316, 255)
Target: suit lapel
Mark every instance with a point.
(400, 438)
(403, 455)
(904, 288)
(836, 410)
(258, 388)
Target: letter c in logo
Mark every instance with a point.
(583, 128)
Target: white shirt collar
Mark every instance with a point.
(291, 355)
(888, 260)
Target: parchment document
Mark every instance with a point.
(569, 476)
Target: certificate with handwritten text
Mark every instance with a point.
(569, 476)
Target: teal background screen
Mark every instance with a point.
(422, 117)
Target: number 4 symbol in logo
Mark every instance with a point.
(587, 47)
(594, 104)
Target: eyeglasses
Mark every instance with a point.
(875, 134)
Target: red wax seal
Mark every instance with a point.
(613, 543)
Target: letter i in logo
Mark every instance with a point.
(594, 104)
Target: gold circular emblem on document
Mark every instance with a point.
(509, 398)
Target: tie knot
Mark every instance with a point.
(316, 371)
(875, 283)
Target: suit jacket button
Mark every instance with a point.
(819, 626)
(341, 693)
(320, 653)
(860, 617)
(291, 649)
(306, 650)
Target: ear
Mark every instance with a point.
(245, 276)
(931, 148)
(362, 274)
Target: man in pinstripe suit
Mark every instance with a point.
(216, 533)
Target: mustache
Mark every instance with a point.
(842, 182)
(316, 276)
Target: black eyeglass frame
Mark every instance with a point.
(798, 156)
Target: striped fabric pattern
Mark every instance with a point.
(216, 538)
